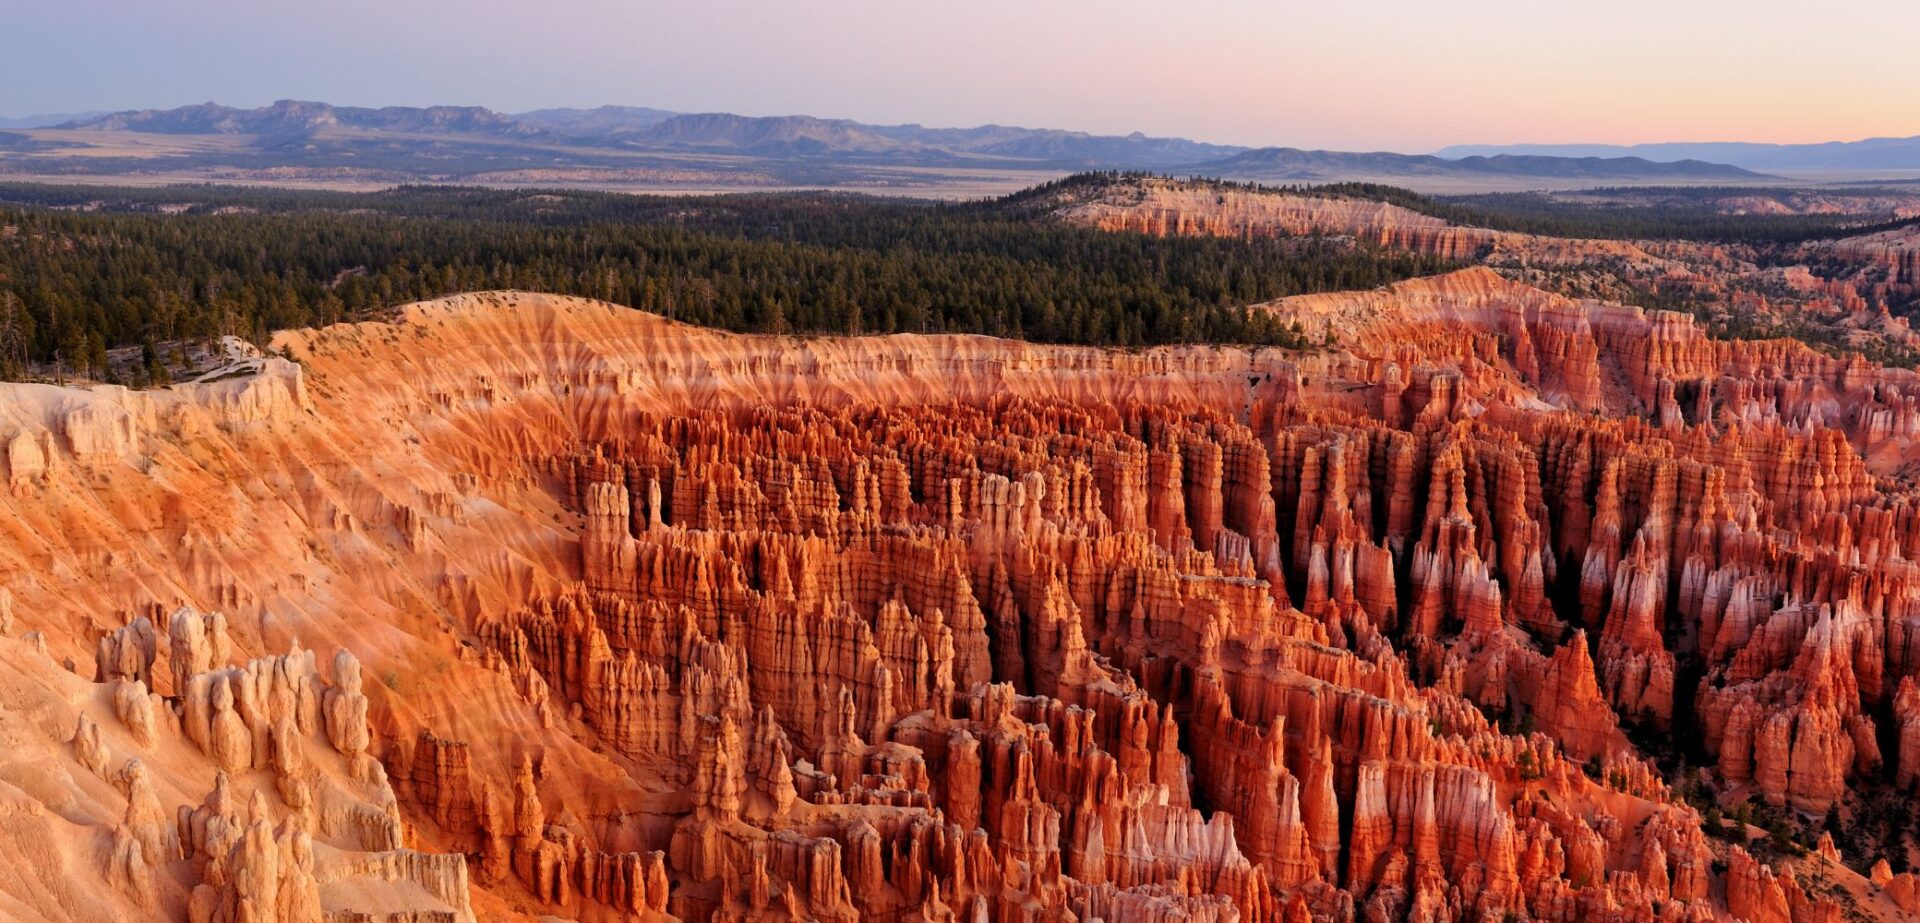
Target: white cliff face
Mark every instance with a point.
(109, 423)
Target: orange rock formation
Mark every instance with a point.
(1844, 285)
(620, 619)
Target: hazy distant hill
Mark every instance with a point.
(45, 120)
(599, 122)
(659, 129)
(294, 116)
(809, 136)
(1292, 164)
(1873, 154)
(295, 141)
(783, 135)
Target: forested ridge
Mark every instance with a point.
(1690, 215)
(1681, 212)
(85, 269)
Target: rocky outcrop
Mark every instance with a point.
(1177, 210)
(1842, 287)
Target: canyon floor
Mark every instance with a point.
(1508, 605)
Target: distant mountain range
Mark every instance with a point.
(660, 130)
(584, 123)
(626, 146)
(1285, 163)
(45, 120)
(1869, 156)
(293, 117)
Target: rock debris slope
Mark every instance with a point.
(529, 607)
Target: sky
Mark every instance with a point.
(1339, 74)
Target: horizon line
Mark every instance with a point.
(1432, 151)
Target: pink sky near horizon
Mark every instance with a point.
(1388, 75)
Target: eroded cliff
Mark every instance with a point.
(1844, 292)
(620, 618)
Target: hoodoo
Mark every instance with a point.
(452, 514)
(627, 619)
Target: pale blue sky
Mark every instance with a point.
(1393, 74)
